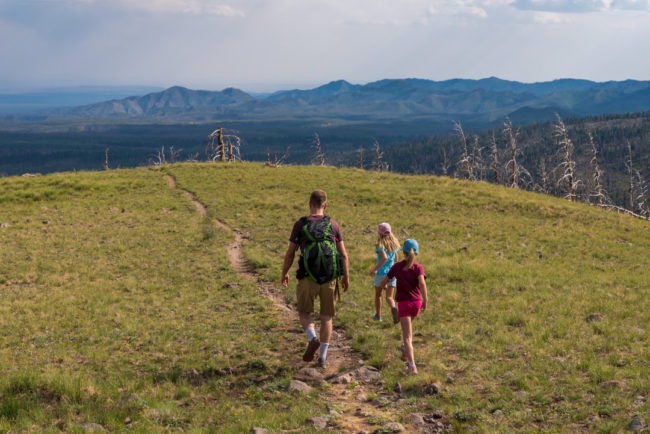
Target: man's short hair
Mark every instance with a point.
(318, 198)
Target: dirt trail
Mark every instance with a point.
(353, 412)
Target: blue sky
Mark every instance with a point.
(261, 45)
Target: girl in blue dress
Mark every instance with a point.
(387, 245)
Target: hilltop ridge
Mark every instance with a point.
(122, 310)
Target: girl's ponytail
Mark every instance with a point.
(410, 258)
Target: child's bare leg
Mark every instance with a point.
(378, 300)
(407, 336)
(390, 290)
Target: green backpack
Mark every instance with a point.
(320, 261)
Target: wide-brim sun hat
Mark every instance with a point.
(384, 229)
(411, 245)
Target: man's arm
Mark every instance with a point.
(344, 255)
(288, 261)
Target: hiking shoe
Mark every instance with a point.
(312, 346)
(411, 370)
(404, 357)
(393, 312)
(376, 317)
(321, 363)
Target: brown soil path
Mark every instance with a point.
(353, 411)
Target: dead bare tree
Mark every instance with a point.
(445, 163)
(160, 159)
(516, 170)
(642, 205)
(567, 164)
(193, 158)
(233, 143)
(320, 156)
(227, 147)
(478, 166)
(221, 146)
(630, 174)
(105, 165)
(277, 161)
(495, 159)
(379, 158)
(465, 163)
(174, 154)
(598, 195)
(545, 185)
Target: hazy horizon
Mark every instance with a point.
(257, 88)
(262, 46)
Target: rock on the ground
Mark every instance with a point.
(92, 427)
(636, 424)
(311, 374)
(416, 419)
(397, 388)
(594, 317)
(363, 374)
(129, 400)
(318, 422)
(258, 430)
(299, 386)
(433, 389)
(153, 413)
(391, 427)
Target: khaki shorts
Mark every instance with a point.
(306, 291)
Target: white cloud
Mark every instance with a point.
(391, 12)
(581, 6)
(190, 7)
(550, 18)
(633, 5)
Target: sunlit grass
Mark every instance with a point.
(120, 308)
(512, 276)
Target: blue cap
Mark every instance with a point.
(411, 244)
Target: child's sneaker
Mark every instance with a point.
(393, 312)
(411, 369)
(376, 317)
(404, 357)
(322, 363)
(312, 346)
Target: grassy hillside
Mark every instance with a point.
(113, 285)
(119, 308)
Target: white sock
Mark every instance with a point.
(323, 350)
(311, 333)
(411, 365)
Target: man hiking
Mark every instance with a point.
(323, 259)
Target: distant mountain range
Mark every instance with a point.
(482, 100)
(34, 101)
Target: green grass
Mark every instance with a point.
(113, 285)
(119, 303)
(512, 277)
